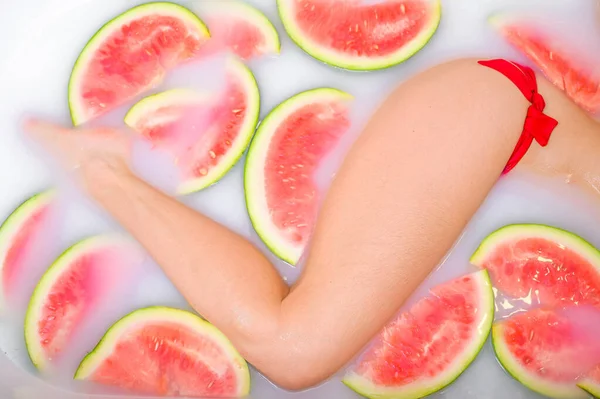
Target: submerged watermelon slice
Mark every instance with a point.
(206, 137)
(428, 347)
(545, 264)
(546, 351)
(167, 352)
(239, 28)
(571, 73)
(591, 382)
(356, 35)
(69, 291)
(17, 239)
(131, 54)
(281, 194)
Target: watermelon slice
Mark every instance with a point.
(281, 194)
(546, 351)
(426, 348)
(167, 352)
(572, 73)
(131, 54)
(18, 237)
(353, 35)
(206, 138)
(69, 291)
(591, 382)
(239, 28)
(546, 264)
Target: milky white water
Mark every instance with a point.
(42, 38)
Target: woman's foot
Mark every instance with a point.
(91, 154)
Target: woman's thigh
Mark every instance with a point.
(429, 156)
(409, 184)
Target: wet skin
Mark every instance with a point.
(391, 214)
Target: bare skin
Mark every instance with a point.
(389, 217)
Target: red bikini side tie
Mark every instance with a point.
(538, 125)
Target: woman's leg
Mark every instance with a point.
(410, 183)
(574, 147)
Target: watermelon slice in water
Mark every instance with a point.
(69, 292)
(547, 350)
(167, 352)
(426, 348)
(131, 54)
(281, 194)
(206, 137)
(239, 28)
(18, 236)
(360, 35)
(591, 382)
(547, 265)
(572, 73)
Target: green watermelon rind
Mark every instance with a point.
(515, 232)
(590, 386)
(246, 132)
(366, 388)
(352, 63)
(94, 358)
(108, 28)
(503, 20)
(525, 35)
(15, 220)
(243, 139)
(520, 374)
(498, 20)
(254, 169)
(48, 280)
(167, 97)
(249, 13)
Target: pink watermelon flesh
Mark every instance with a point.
(423, 342)
(556, 346)
(362, 30)
(595, 374)
(199, 137)
(72, 297)
(22, 244)
(592, 381)
(552, 274)
(75, 294)
(133, 59)
(235, 34)
(573, 74)
(298, 146)
(167, 359)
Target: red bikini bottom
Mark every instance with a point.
(538, 125)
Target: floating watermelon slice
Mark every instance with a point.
(69, 291)
(572, 73)
(428, 347)
(353, 35)
(18, 237)
(239, 28)
(281, 194)
(591, 382)
(206, 137)
(167, 352)
(153, 115)
(130, 55)
(546, 264)
(546, 351)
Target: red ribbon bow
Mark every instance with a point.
(538, 125)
